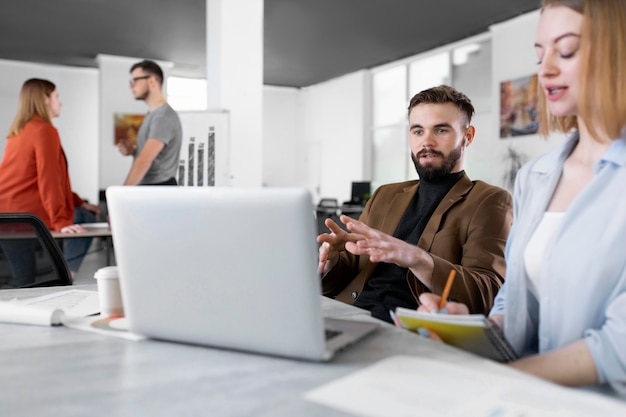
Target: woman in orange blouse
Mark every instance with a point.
(33, 174)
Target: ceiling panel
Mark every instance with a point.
(305, 41)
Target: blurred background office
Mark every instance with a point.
(319, 100)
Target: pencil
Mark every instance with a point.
(395, 320)
(446, 289)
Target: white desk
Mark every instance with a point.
(57, 371)
(101, 232)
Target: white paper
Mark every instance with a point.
(50, 309)
(403, 386)
(75, 303)
(11, 312)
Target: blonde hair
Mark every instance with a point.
(31, 102)
(602, 101)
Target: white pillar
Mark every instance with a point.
(235, 81)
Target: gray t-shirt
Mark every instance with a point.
(162, 124)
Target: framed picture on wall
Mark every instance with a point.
(126, 126)
(518, 107)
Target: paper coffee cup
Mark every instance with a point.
(109, 292)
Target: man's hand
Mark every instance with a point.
(381, 247)
(125, 147)
(332, 244)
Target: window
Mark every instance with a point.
(389, 88)
(429, 72)
(471, 73)
(466, 66)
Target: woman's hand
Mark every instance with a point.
(73, 228)
(430, 303)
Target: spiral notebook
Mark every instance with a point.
(473, 332)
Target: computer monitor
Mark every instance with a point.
(360, 192)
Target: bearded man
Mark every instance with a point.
(412, 234)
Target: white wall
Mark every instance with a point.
(513, 57)
(333, 135)
(281, 136)
(78, 123)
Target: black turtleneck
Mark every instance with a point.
(387, 288)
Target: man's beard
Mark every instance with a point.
(142, 96)
(432, 173)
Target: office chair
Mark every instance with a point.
(29, 256)
(328, 203)
(327, 208)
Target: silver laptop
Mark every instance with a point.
(225, 267)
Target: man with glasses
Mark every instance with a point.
(156, 152)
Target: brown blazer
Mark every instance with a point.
(467, 232)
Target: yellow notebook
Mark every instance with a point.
(474, 332)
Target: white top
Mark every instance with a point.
(585, 295)
(536, 248)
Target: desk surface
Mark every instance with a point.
(58, 371)
(90, 232)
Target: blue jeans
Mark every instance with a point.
(75, 250)
(20, 254)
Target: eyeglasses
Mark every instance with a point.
(133, 80)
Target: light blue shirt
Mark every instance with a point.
(583, 278)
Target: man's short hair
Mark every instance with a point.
(441, 95)
(150, 68)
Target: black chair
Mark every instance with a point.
(327, 208)
(328, 203)
(29, 256)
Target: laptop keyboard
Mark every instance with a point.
(332, 333)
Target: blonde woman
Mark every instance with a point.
(563, 304)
